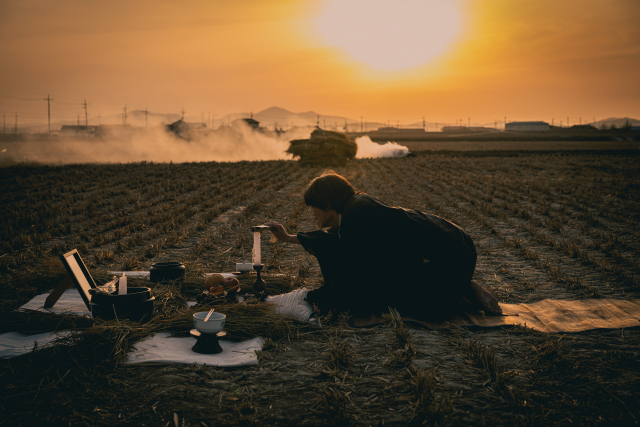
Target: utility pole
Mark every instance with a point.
(183, 115)
(15, 130)
(318, 121)
(145, 116)
(361, 125)
(48, 99)
(505, 123)
(424, 124)
(86, 115)
(124, 116)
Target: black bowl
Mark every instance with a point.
(164, 271)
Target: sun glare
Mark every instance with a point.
(390, 35)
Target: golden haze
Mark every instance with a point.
(526, 60)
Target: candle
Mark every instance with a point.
(256, 248)
(122, 285)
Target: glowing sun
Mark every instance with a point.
(390, 35)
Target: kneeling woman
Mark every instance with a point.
(374, 256)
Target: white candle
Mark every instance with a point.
(122, 285)
(256, 248)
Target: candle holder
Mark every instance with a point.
(259, 285)
(207, 343)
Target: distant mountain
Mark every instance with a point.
(285, 119)
(617, 122)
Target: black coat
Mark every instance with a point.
(383, 256)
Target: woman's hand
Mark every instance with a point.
(281, 234)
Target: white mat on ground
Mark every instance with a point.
(14, 344)
(70, 302)
(161, 348)
(146, 274)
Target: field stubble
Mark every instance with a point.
(546, 226)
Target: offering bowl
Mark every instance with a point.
(211, 326)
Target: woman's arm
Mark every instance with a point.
(281, 234)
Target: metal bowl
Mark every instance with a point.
(212, 326)
(164, 271)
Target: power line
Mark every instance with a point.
(19, 98)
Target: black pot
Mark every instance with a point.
(164, 271)
(132, 296)
(136, 305)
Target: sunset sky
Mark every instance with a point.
(383, 60)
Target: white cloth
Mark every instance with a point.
(139, 274)
(161, 348)
(292, 304)
(14, 344)
(70, 302)
(225, 275)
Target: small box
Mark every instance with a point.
(244, 266)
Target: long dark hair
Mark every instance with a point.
(329, 191)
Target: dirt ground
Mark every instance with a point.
(547, 224)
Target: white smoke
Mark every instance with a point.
(226, 144)
(370, 149)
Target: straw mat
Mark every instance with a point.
(545, 316)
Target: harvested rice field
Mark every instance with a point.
(552, 224)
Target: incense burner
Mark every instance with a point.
(212, 326)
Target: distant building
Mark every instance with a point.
(113, 130)
(466, 129)
(251, 122)
(73, 129)
(186, 130)
(583, 128)
(392, 129)
(528, 127)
